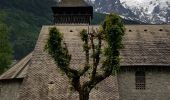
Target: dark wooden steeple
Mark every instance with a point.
(72, 12)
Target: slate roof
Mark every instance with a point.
(72, 3)
(143, 45)
(45, 80)
(146, 45)
(19, 70)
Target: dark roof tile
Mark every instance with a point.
(140, 48)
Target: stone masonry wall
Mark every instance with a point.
(157, 86)
(9, 90)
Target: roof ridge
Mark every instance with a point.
(13, 69)
(24, 61)
(22, 69)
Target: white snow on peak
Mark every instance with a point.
(92, 1)
(148, 9)
(145, 5)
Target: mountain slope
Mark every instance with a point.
(153, 11)
(99, 17)
(111, 6)
(150, 11)
(24, 19)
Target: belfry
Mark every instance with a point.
(72, 12)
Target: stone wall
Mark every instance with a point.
(9, 90)
(157, 86)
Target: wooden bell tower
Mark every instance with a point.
(72, 12)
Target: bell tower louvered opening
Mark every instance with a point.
(72, 12)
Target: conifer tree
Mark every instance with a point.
(5, 49)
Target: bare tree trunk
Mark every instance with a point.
(83, 95)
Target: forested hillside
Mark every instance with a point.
(25, 18)
(5, 49)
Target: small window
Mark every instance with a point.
(145, 30)
(130, 30)
(140, 80)
(71, 30)
(160, 29)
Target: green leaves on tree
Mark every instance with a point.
(110, 33)
(58, 50)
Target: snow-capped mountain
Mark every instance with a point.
(150, 11)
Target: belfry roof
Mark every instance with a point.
(72, 3)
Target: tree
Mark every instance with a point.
(5, 49)
(110, 33)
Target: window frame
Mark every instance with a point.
(140, 80)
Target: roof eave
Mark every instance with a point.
(11, 79)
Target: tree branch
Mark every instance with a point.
(93, 54)
(96, 53)
(99, 37)
(97, 79)
(85, 39)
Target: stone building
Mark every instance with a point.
(144, 73)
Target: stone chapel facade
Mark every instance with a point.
(144, 73)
